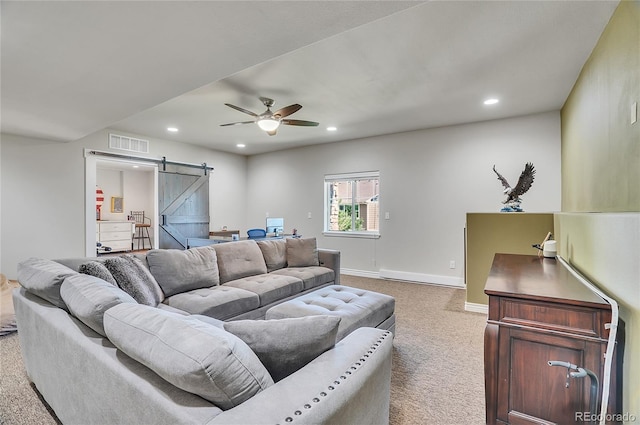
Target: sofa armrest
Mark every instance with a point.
(346, 385)
(330, 258)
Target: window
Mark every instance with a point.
(352, 204)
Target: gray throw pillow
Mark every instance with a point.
(97, 269)
(44, 278)
(88, 297)
(286, 345)
(135, 279)
(274, 253)
(178, 271)
(302, 252)
(239, 259)
(192, 355)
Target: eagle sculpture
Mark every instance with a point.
(512, 203)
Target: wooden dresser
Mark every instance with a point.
(118, 235)
(539, 312)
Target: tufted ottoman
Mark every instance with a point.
(357, 308)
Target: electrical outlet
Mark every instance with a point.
(452, 264)
(386, 216)
(309, 215)
(267, 214)
(634, 112)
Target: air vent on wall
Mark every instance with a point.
(130, 144)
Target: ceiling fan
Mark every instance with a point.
(270, 121)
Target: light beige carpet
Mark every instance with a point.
(438, 375)
(438, 366)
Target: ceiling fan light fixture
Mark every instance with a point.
(268, 124)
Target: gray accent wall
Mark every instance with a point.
(429, 180)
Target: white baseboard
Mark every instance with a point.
(422, 278)
(476, 308)
(360, 273)
(407, 276)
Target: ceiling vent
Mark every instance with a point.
(129, 144)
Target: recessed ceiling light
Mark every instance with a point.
(136, 166)
(241, 145)
(491, 101)
(172, 129)
(332, 128)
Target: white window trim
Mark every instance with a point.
(347, 177)
(362, 235)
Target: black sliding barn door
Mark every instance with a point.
(183, 198)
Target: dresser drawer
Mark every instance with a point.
(558, 317)
(118, 245)
(115, 227)
(115, 236)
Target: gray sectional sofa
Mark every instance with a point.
(170, 338)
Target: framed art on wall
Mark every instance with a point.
(117, 204)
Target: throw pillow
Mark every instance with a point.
(88, 297)
(97, 269)
(286, 345)
(44, 278)
(179, 271)
(274, 253)
(189, 353)
(133, 278)
(239, 259)
(302, 252)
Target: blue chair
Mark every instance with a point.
(256, 233)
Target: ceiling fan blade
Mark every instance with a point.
(237, 123)
(287, 110)
(237, 108)
(272, 133)
(300, 122)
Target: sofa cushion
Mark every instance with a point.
(97, 269)
(286, 345)
(88, 297)
(221, 302)
(183, 270)
(189, 353)
(135, 279)
(274, 252)
(239, 259)
(311, 276)
(302, 252)
(44, 278)
(269, 287)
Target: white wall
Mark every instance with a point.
(43, 193)
(429, 180)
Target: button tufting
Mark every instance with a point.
(289, 419)
(316, 400)
(323, 394)
(297, 412)
(353, 368)
(343, 377)
(348, 372)
(307, 406)
(336, 382)
(358, 364)
(331, 388)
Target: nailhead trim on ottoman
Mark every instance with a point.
(356, 307)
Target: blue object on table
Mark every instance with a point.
(256, 233)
